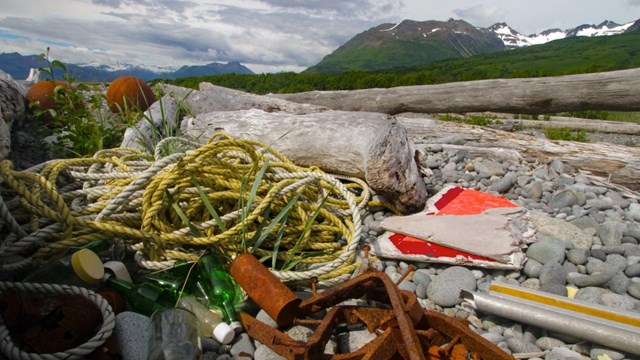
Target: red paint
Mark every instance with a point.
(413, 246)
(459, 201)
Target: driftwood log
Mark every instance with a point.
(616, 163)
(615, 90)
(369, 146)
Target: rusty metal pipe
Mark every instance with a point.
(265, 289)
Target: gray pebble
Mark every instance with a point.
(611, 232)
(563, 198)
(548, 343)
(521, 346)
(591, 294)
(634, 289)
(616, 262)
(421, 276)
(595, 279)
(632, 270)
(407, 285)
(619, 283)
(597, 350)
(532, 268)
(557, 289)
(633, 211)
(132, 334)
(578, 256)
(552, 273)
(493, 337)
(263, 352)
(562, 353)
(624, 302)
(421, 291)
(242, 346)
(445, 288)
(546, 251)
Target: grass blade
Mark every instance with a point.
(276, 220)
(194, 230)
(207, 204)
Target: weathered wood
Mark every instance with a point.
(620, 164)
(615, 90)
(366, 145)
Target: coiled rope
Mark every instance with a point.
(161, 207)
(12, 351)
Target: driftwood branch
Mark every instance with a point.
(615, 90)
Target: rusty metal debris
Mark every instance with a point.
(404, 330)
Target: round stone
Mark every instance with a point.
(445, 288)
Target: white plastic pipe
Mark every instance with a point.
(610, 327)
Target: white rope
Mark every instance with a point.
(12, 351)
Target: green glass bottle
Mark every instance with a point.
(219, 287)
(145, 298)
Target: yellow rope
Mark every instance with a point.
(157, 196)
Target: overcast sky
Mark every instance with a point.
(264, 35)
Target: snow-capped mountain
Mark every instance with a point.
(513, 39)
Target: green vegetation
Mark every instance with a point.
(561, 57)
(80, 128)
(566, 134)
(82, 123)
(479, 120)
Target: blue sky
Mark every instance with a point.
(265, 35)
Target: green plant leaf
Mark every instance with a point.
(275, 221)
(207, 204)
(194, 230)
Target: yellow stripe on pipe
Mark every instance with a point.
(567, 305)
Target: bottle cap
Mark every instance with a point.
(236, 326)
(223, 333)
(87, 265)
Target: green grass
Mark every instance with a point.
(566, 134)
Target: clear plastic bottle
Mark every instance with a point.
(211, 321)
(82, 268)
(219, 287)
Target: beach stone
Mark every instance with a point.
(591, 294)
(616, 262)
(533, 190)
(552, 273)
(421, 291)
(595, 279)
(243, 344)
(520, 346)
(578, 256)
(493, 337)
(445, 288)
(503, 185)
(632, 270)
(488, 168)
(132, 335)
(548, 343)
(421, 276)
(533, 284)
(599, 350)
(562, 353)
(563, 198)
(546, 251)
(554, 288)
(633, 211)
(619, 283)
(561, 230)
(611, 232)
(532, 268)
(624, 302)
(634, 289)
(263, 352)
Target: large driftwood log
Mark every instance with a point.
(615, 90)
(619, 164)
(366, 145)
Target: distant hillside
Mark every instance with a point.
(412, 43)
(409, 43)
(18, 67)
(566, 56)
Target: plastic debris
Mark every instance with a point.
(460, 226)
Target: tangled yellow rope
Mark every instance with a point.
(162, 207)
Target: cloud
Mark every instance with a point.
(481, 15)
(633, 2)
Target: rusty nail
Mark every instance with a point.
(405, 274)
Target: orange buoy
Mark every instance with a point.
(129, 92)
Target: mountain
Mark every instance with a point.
(408, 43)
(513, 39)
(18, 66)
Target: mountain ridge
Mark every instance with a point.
(410, 43)
(18, 66)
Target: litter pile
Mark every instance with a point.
(198, 244)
